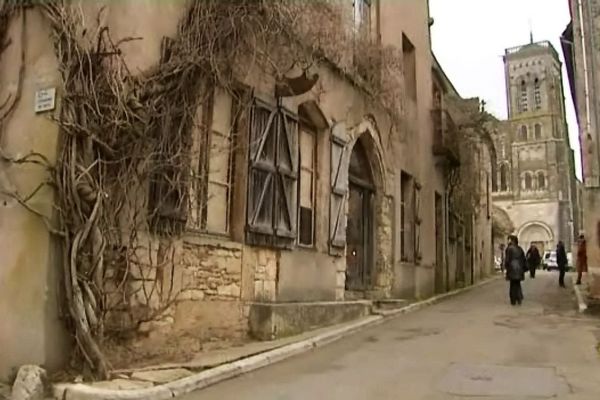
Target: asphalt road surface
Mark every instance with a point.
(474, 346)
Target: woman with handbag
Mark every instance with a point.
(515, 269)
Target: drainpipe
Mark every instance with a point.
(586, 81)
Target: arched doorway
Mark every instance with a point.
(360, 225)
(538, 234)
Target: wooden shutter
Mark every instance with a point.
(262, 172)
(287, 176)
(417, 217)
(273, 176)
(339, 188)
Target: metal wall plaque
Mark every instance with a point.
(45, 100)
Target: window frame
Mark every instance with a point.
(410, 68)
(528, 178)
(537, 90)
(541, 175)
(407, 218)
(538, 131)
(201, 164)
(305, 127)
(359, 8)
(523, 133)
(523, 97)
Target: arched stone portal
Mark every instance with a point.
(536, 233)
(360, 226)
(368, 232)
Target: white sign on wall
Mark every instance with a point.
(45, 100)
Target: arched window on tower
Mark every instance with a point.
(504, 178)
(528, 181)
(523, 100)
(537, 90)
(538, 131)
(523, 133)
(541, 178)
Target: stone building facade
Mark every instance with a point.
(580, 47)
(535, 173)
(367, 214)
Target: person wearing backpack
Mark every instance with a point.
(515, 264)
(533, 259)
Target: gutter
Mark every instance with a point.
(586, 81)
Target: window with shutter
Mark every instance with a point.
(307, 186)
(407, 218)
(273, 174)
(417, 222)
(339, 188)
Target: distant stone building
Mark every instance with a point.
(536, 177)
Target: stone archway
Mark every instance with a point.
(537, 233)
(367, 186)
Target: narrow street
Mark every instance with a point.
(473, 346)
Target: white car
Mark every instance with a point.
(549, 260)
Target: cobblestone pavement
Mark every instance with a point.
(474, 346)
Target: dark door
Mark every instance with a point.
(359, 228)
(358, 238)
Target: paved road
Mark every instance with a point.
(474, 346)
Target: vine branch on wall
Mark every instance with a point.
(123, 135)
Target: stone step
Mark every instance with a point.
(390, 304)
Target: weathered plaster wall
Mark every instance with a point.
(415, 155)
(31, 331)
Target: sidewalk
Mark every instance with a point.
(171, 380)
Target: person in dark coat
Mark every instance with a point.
(515, 264)
(562, 261)
(533, 259)
(582, 262)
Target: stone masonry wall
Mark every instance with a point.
(211, 271)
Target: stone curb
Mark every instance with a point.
(215, 375)
(581, 303)
(436, 299)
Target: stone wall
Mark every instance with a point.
(211, 270)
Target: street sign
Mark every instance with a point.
(45, 100)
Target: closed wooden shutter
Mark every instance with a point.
(417, 219)
(263, 138)
(287, 174)
(339, 188)
(273, 176)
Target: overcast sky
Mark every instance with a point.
(470, 36)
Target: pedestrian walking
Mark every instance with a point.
(502, 252)
(562, 261)
(515, 265)
(582, 263)
(533, 259)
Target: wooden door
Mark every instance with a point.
(359, 239)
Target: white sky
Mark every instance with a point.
(470, 36)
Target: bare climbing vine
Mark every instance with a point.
(466, 182)
(123, 171)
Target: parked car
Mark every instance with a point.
(549, 260)
(498, 263)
